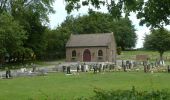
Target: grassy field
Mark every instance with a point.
(58, 86)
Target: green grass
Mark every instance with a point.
(59, 86)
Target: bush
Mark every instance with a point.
(119, 50)
(129, 95)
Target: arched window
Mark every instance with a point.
(74, 53)
(100, 53)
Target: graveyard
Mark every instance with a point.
(59, 86)
(66, 83)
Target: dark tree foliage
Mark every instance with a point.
(94, 22)
(56, 41)
(97, 22)
(32, 15)
(12, 36)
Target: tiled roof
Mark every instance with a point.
(84, 40)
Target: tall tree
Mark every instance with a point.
(33, 16)
(56, 41)
(96, 22)
(158, 40)
(12, 36)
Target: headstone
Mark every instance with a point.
(86, 68)
(127, 64)
(8, 73)
(148, 67)
(82, 68)
(64, 68)
(100, 67)
(134, 64)
(68, 70)
(168, 69)
(104, 67)
(124, 68)
(78, 68)
(156, 63)
(145, 68)
(33, 67)
(95, 69)
(110, 67)
(122, 63)
(130, 65)
(152, 65)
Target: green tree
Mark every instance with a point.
(115, 7)
(33, 16)
(158, 40)
(12, 36)
(154, 13)
(96, 22)
(56, 41)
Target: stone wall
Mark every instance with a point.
(107, 54)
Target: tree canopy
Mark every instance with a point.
(154, 13)
(28, 22)
(94, 22)
(12, 35)
(158, 40)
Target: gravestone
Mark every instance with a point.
(104, 67)
(64, 68)
(168, 69)
(152, 65)
(122, 63)
(134, 64)
(145, 69)
(33, 67)
(100, 67)
(78, 68)
(124, 68)
(95, 69)
(148, 67)
(127, 64)
(8, 73)
(82, 68)
(68, 70)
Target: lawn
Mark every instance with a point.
(58, 86)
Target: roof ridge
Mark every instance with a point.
(92, 33)
(96, 39)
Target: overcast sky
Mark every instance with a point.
(60, 15)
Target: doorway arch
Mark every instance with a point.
(86, 55)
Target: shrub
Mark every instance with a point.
(129, 95)
(119, 50)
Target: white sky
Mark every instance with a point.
(60, 15)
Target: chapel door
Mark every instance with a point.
(86, 56)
